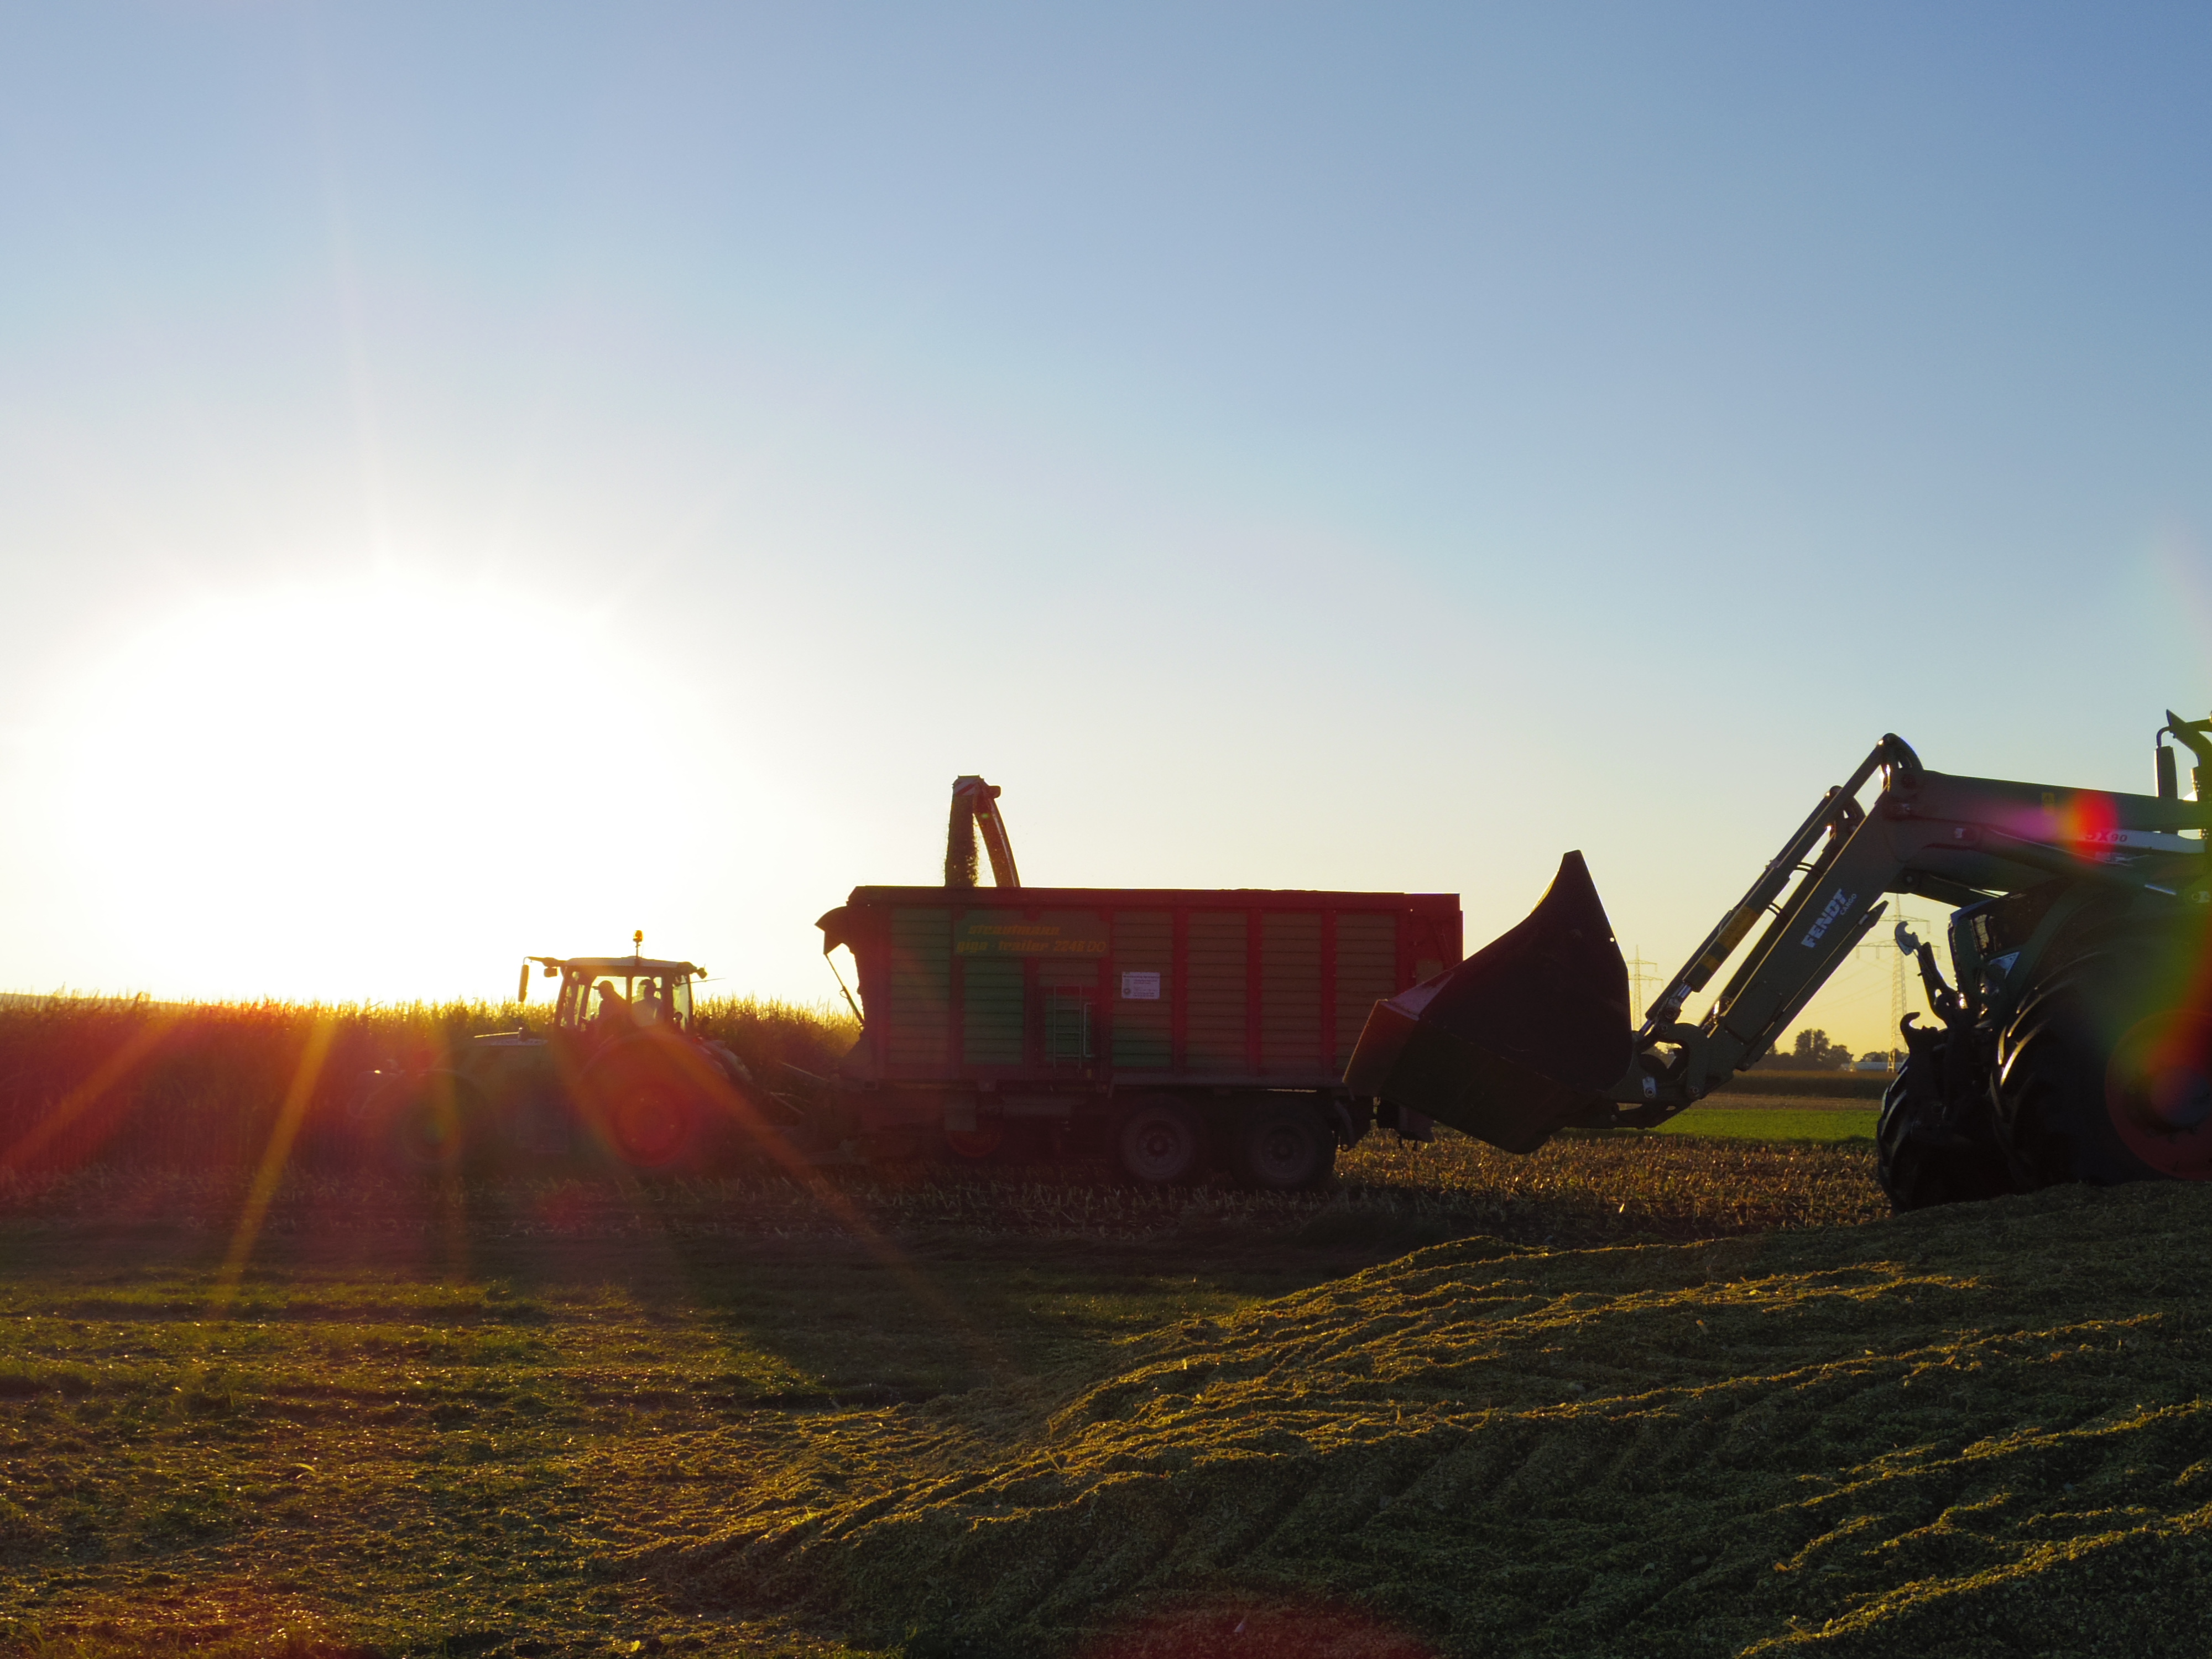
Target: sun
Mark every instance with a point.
(383, 789)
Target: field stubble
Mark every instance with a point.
(1634, 1394)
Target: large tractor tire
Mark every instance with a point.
(647, 1113)
(2104, 1075)
(1927, 1154)
(1160, 1143)
(1284, 1146)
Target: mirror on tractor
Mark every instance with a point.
(522, 990)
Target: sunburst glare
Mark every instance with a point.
(386, 788)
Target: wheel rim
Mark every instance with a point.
(1282, 1151)
(1158, 1146)
(650, 1127)
(2158, 1089)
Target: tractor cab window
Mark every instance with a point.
(575, 1006)
(630, 999)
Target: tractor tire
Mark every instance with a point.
(430, 1124)
(646, 1112)
(1924, 1156)
(1159, 1142)
(2104, 1075)
(1284, 1146)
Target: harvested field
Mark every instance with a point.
(1648, 1394)
(988, 1414)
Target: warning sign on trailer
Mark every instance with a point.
(1140, 987)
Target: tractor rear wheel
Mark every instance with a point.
(648, 1114)
(2104, 1075)
(1283, 1145)
(1159, 1142)
(1924, 1156)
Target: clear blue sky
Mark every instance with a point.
(479, 479)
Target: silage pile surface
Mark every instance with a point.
(1973, 1431)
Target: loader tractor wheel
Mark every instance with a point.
(2102, 1079)
(1924, 1157)
(1160, 1144)
(1283, 1146)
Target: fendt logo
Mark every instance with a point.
(1835, 908)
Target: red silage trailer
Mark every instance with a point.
(1176, 1028)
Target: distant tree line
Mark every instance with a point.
(1813, 1052)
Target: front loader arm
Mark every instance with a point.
(1530, 1034)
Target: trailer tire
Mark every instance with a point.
(1921, 1159)
(1159, 1142)
(1284, 1146)
(2086, 1086)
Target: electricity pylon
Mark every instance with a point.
(1641, 974)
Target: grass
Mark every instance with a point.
(1760, 1119)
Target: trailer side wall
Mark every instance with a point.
(1077, 987)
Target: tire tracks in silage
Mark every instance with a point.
(1530, 1452)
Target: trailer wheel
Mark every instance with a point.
(1159, 1142)
(1924, 1156)
(1283, 1145)
(2101, 1079)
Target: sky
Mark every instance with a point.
(479, 480)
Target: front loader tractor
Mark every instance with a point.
(2072, 1043)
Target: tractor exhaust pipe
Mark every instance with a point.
(1524, 1038)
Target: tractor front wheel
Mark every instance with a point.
(2102, 1079)
(1925, 1155)
(426, 1124)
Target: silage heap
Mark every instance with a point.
(1969, 1431)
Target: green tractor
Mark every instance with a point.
(625, 1072)
(2075, 1045)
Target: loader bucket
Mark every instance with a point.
(1522, 1038)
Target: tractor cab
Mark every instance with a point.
(603, 997)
